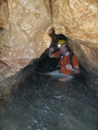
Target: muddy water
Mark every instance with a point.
(44, 103)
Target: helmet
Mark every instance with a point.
(61, 43)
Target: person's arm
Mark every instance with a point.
(75, 70)
(51, 54)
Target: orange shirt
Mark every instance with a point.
(64, 61)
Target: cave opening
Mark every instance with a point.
(47, 64)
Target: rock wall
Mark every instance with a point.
(3, 14)
(78, 20)
(24, 36)
(24, 28)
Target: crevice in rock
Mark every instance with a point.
(1, 29)
(46, 64)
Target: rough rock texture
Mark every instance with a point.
(3, 14)
(24, 26)
(9, 84)
(25, 37)
(78, 20)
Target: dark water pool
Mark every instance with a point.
(44, 103)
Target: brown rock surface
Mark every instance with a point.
(3, 14)
(78, 20)
(25, 37)
(24, 28)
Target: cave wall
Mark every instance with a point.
(24, 29)
(3, 14)
(78, 20)
(24, 36)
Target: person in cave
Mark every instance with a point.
(69, 65)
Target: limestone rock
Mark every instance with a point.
(78, 20)
(25, 34)
(3, 14)
(24, 28)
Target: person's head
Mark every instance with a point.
(63, 46)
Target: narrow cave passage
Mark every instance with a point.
(44, 103)
(47, 64)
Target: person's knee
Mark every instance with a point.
(65, 78)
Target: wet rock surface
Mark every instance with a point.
(44, 103)
(11, 83)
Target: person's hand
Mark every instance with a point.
(68, 67)
(51, 49)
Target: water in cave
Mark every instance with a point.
(44, 103)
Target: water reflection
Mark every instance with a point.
(44, 103)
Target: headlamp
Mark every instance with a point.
(61, 43)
